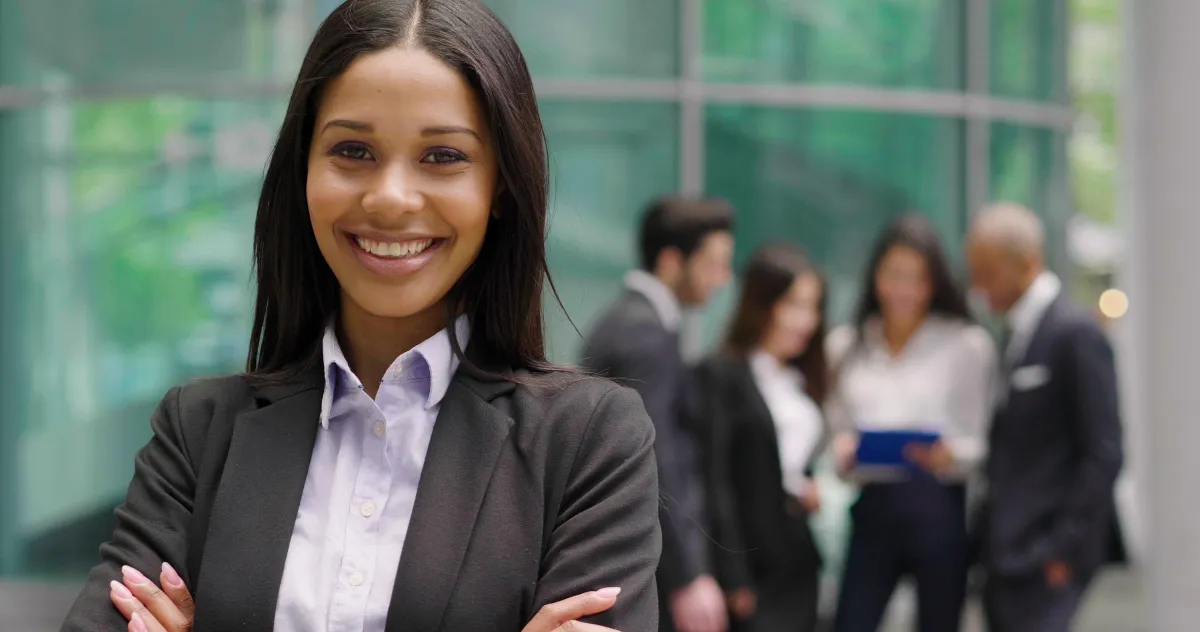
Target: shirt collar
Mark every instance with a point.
(661, 298)
(765, 365)
(1024, 316)
(435, 355)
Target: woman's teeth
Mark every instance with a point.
(393, 248)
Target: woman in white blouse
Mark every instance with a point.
(762, 426)
(913, 361)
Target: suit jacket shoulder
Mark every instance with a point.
(627, 323)
(1072, 318)
(569, 404)
(200, 403)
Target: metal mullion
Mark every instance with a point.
(978, 118)
(691, 98)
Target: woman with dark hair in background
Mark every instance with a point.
(399, 454)
(914, 360)
(761, 416)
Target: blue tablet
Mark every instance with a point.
(886, 447)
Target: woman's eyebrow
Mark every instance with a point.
(358, 126)
(437, 130)
(443, 130)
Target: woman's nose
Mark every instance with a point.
(395, 190)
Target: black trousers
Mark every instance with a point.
(1029, 605)
(914, 528)
(784, 606)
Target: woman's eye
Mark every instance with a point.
(353, 151)
(443, 156)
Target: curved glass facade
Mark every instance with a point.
(132, 141)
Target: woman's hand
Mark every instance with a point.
(150, 609)
(811, 497)
(935, 459)
(563, 616)
(845, 449)
(171, 609)
(742, 603)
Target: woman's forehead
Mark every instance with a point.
(402, 87)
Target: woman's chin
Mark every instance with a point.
(401, 308)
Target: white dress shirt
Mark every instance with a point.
(1026, 315)
(361, 486)
(941, 381)
(798, 420)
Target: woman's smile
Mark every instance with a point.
(394, 256)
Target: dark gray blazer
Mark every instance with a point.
(761, 531)
(631, 345)
(531, 493)
(1055, 451)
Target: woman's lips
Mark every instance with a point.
(398, 258)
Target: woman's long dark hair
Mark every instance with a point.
(502, 291)
(769, 275)
(913, 231)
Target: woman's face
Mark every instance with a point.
(402, 178)
(903, 285)
(794, 318)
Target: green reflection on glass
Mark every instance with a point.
(830, 179)
(607, 161)
(1028, 49)
(1028, 166)
(149, 42)
(902, 43)
(595, 38)
(143, 228)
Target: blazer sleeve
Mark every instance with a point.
(607, 532)
(645, 351)
(1096, 422)
(151, 526)
(729, 560)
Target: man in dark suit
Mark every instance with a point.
(1056, 435)
(686, 248)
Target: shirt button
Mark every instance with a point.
(357, 579)
(380, 429)
(367, 509)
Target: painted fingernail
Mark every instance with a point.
(133, 576)
(120, 590)
(172, 577)
(137, 623)
(608, 593)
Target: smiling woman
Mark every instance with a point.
(399, 453)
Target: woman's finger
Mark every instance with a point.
(124, 600)
(161, 607)
(173, 585)
(140, 619)
(553, 616)
(144, 623)
(575, 626)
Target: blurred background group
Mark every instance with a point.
(133, 135)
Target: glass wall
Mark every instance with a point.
(131, 149)
(908, 44)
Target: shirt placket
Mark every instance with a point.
(371, 489)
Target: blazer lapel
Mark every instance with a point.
(1036, 339)
(254, 512)
(463, 451)
(762, 413)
